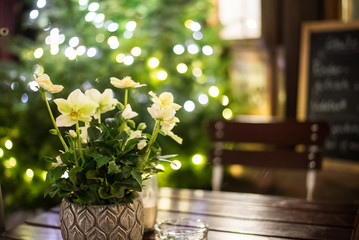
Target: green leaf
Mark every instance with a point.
(53, 131)
(50, 159)
(73, 174)
(52, 190)
(113, 168)
(131, 123)
(55, 173)
(92, 174)
(102, 160)
(103, 193)
(138, 176)
(117, 190)
(141, 126)
(94, 133)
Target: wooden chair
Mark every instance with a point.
(283, 144)
(2, 217)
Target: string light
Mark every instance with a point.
(175, 164)
(227, 113)
(224, 100)
(189, 106)
(153, 62)
(100, 38)
(178, 49)
(80, 50)
(197, 72)
(120, 57)
(203, 99)
(195, 26)
(29, 173)
(213, 91)
(34, 14)
(197, 159)
(182, 68)
(162, 75)
(8, 144)
(131, 26)
(128, 60)
(136, 51)
(74, 41)
(193, 48)
(41, 3)
(1, 152)
(91, 52)
(207, 50)
(38, 53)
(93, 7)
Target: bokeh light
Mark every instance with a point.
(189, 106)
(162, 75)
(131, 26)
(207, 50)
(8, 144)
(153, 62)
(224, 100)
(203, 99)
(175, 164)
(197, 159)
(38, 53)
(1, 152)
(227, 113)
(136, 51)
(178, 49)
(34, 14)
(182, 68)
(213, 91)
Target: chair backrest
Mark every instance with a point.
(283, 144)
(2, 217)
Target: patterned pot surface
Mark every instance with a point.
(106, 222)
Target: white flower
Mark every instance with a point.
(165, 100)
(128, 113)
(84, 134)
(126, 82)
(73, 134)
(106, 102)
(58, 163)
(135, 134)
(141, 144)
(45, 82)
(77, 107)
(159, 113)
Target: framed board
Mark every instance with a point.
(328, 87)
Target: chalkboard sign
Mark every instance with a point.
(329, 83)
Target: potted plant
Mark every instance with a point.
(103, 163)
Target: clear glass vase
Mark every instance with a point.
(149, 196)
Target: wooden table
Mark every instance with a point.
(231, 216)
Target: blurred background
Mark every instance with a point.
(220, 59)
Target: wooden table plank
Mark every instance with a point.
(267, 228)
(250, 199)
(237, 210)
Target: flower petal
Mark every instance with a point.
(56, 88)
(65, 120)
(63, 105)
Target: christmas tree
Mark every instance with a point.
(170, 45)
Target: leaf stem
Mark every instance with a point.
(155, 132)
(43, 93)
(79, 141)
(126, 96)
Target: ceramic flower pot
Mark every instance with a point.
(124, 221)
(149, 196)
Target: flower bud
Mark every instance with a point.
(73, 133)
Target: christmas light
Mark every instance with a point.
(54, 49)
(34, 14)
(193, 48)
(1, 152)
(195, 26)
(189, 106)
(24, 98)
(80, 50)
(127, 34)
(178, 49)
(8, 144)
(70, 53)
(182, 68)
(83, 2)
(90, 16)
(93, 7)
(100, 38)
(213, 91)
(197, 72)
(187, 23)
(203, 99)
(38, 53)
(112, 27)
(74, 41)
(197, 35)
(162, 75)
(175, 164)
(197, 159)
(43, 175)
(128, 60)
(207, 50)
(136, 51)
(41, 3)
(98, 21)
(113, 42)
(33, 86)
(120, 57)
(227, 113)
(131, 26)
(224, 100)
(29, 173)
(91, 52)
(153, 62)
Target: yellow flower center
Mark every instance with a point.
(75, 114)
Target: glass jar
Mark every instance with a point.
(149, 196)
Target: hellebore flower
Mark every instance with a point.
(76, 108)
(126, 82)
(106, 102)
(128, 113)
(45, 83)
